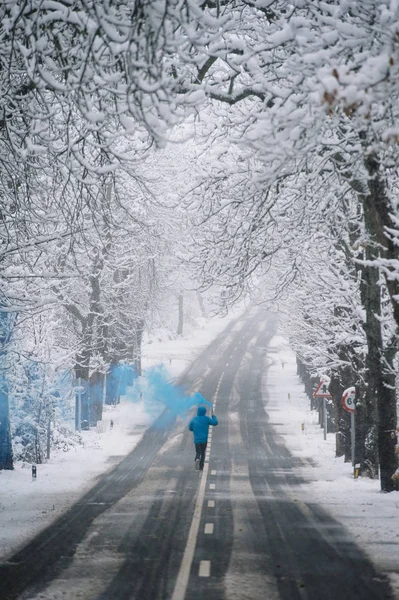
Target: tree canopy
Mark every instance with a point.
(287, 187)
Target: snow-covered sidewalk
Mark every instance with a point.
(27, 506)
(371, 516)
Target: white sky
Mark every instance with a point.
(27, 506)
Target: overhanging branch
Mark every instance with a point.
(238, 97)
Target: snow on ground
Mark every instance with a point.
(27, 505)
(371, 516)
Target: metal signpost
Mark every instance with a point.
(349, 404)
(322, 392)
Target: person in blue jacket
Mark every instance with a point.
(199, 425)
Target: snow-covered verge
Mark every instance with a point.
(28, 505)
(371, 516)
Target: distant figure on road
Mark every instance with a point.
(199, 425)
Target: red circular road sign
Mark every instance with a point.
(348, 399)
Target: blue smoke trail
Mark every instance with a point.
(176, 398)
(119, 377)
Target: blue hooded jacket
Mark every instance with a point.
(200, 425)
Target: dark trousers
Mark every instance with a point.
(200, 453)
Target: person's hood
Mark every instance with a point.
(201, 411)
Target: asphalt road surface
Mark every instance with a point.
(154, 528)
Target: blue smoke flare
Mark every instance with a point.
(155, 387)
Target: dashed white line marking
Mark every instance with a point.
(212, 486)
(213, 472)
(184, 572)
(205, 565)
(211, 503)
(208, 528)
(205, 568)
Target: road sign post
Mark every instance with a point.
(325, 418)
(322, 392)
(349, 404)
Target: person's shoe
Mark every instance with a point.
(197, 462)
(201, 468)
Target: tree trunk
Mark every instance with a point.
(181, 316)
(96, 397)
(370, 295)
(341, 418)
(113, 384)
(309, 383)
(134, 351)
(377, 210)
(387, 421)
(82, 374)
(376, 214)
(6, 456)
(201, 304)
